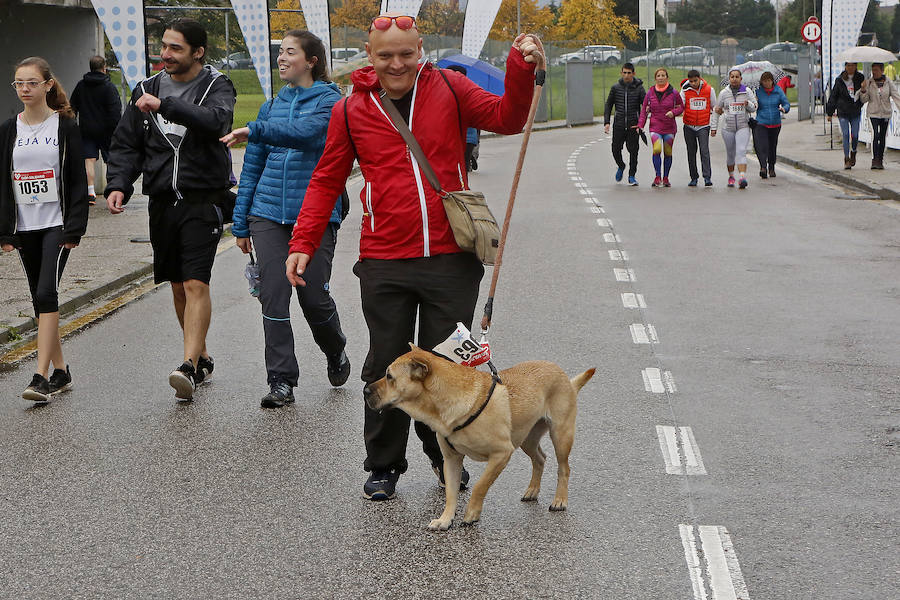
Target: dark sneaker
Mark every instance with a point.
(692, 183)
(205, 366)
(771, 171)
(338, 369)
(763, 174)
(92, 200)
(183, 379)
(381, 485)
(707, 182)
(60, 381)
(474, 164)
(743, 184)
(463, 477)
(38, 390)
(619, 173)
(631, 180)
(280, 393)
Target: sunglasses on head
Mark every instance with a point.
(383, 23)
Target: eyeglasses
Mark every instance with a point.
(28, 85)
(383, 23)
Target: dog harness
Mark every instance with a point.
(495, 379)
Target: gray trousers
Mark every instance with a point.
(270, 240)
(694, 138)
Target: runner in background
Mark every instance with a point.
(772, 103)
(732, 115)
(627, 97)
(877, 92)
(43, 207)
(662, 104)
(699, 99)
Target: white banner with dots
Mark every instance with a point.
(123, 22)
(253, 17)
(479, 20)
(315, 12)
(841, 23)
(404, 7)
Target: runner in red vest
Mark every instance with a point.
(699, 99)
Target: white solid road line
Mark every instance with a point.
(724, 577)
(643, 334)
(658, 381)
(631, 300)
(624, 274)
(673, 442)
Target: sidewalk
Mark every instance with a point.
(116, 250)
(808, 146)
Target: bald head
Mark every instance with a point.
(395, 54)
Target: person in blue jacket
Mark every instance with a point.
(473, 135)
(772, 103)
(284, 146)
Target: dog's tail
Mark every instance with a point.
(579, 380)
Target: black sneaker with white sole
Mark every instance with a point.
(280, 394)
(38, 390)
(205, 366)
(60, 381)
(183, 380)
(381, 485)
(463, 477)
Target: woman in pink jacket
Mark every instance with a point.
(663, 104)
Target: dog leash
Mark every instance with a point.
(540, 75)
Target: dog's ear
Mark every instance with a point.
(413, 347)
(418, 369)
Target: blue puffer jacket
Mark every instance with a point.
(286, 142)
(767, 112)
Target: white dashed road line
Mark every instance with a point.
(624, 274)
(630, 300)
(723, 571)
(643, 333)
(673, 442)
(658, 381)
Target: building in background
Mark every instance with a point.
(65, 32)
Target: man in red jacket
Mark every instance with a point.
(409, 262)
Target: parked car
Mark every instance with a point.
(596, 54)
(779, 53)
(236, 60)
(341, 55)
(656, 57)
(689, 56)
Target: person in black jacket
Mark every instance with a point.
(626, 96)
(95, 101)
(43, 206)
(844, 99)
(170, 131)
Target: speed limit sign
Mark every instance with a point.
(812, 30)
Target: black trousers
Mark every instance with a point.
(766, 139)
(628, 138)
(43, 259)
(442, 290)
(879, 136)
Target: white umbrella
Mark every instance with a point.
(865, 54)
(751, 71)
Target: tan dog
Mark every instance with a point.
(535, 397)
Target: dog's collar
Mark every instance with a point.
(494, 381)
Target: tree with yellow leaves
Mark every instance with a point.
(355, 14)
(282, 22)
(534, 20)
(593, 21)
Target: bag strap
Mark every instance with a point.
(410, 140)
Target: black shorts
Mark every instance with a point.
(184, 236)
(94, 148)
(43, 259)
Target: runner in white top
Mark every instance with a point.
(43, 206)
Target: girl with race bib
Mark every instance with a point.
(663, 104)
(43, 206)
(733, 109)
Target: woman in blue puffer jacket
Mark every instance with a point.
(771, 104)
(285, 144)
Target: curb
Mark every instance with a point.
(883, 193)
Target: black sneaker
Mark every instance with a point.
(38, 390)
(463, 477)
(205, 366)
(381, 485)
(338, 369)
(183, 379)
(60, 380)
(280, 393)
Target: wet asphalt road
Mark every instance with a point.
(776, 314)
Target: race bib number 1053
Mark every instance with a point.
(35, 187)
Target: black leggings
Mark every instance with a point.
(879, 135)
(43, 259)
(766, 139)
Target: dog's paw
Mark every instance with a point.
(471, 516)
(439, 524)
(558, 505)
(531, 495)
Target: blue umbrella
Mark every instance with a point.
(485, 75)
